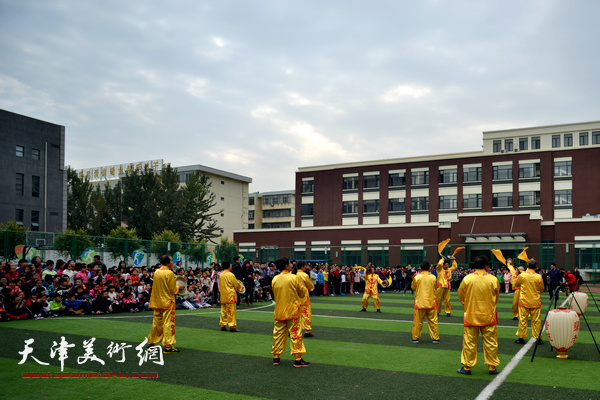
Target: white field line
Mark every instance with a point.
(489, 390)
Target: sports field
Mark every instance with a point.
(354, 355)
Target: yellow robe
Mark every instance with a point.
(444, 276)
(305, 310)
(229, 286)
(479, 293)
(371, 282)
(517, 291)
(289, 293)
(162, 300)
(424, 286)
(530, 302)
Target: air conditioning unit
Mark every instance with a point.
(517, 150)
(502, 151)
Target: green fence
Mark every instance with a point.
(585, 256)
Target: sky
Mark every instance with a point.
(261, 88)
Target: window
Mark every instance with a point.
(448, 176)
(35, 186)
(535, 143)
(596, 137)
(250, 214)
(35, 154)
(308, 186)
(350, 183)
(419, 203)
(568, 140)
(555, 141)
(472, 201)
(419, 178)
(562, 168)
(497, 145)
(19, 215)
(277, 199)
(350, 207)
(523, 143)
(250, 226)
(20, 151)
(370, 181)
(284, 212)
(502, 199)
(222, 182)
(500, 172)
(397, 205)
(529, 199)
(397, 179)
(370, 206)
(508, 144)
(584, 139)
(531, 170)
(563, 197)
(20, 183)
(307, 209)
(448, 202)
(35, 220)
(277, 225)
(222, 198)
(472, 174)
(251, 200)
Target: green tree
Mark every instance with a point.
(171, 203)
(72, 243)
(79, 210)
(122, 242)
(160, 243)
(226, 249)
(199, 221)
(11, 235)
(197, 252)
(140, 203)
(113, 201)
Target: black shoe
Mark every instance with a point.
(515, 318)
(301, 363)
(464, 371)
(364, 310)
(520, 341)
(539, 342)
(308, 334)
(171, 350)
(234, 330)
(276, 361)
(494, 372)
(448, 315)
(223, 328)
(150, 345)
(378, 310)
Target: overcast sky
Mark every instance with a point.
(261, 88)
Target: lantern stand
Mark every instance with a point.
(555, 296)
(591, 294)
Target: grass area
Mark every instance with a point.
(353, 355)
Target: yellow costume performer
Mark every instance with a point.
(513, 278)
(530, 302)
(442, 293)
(479, 293)
(305, 310)
(162, 300)
(229, 286)
(424, 286)
(371, 282)
(289, 294)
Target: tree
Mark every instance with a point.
(79, 211)
(140, 203)
(197, 252)
(11, 235)
(171, 203)
(199, 200)
(226, 250)
(122, 242)
(72, 243)
(160, 243)
(113, 200)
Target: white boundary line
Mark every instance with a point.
(489, 390)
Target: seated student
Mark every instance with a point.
(102, 304)
(50, 284)
(36, 305)
(142, 300)
(114, 297)
(16, 308)
(38, 286)
(3, 298)
(56, 306)
(72, 306)
(130, 303)
(14, 289)
(190, 296)
(95, 292)
(85, 302)
(202, 298)
(79, 283)
(63, 287)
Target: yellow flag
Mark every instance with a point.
(499, 256)
(457, 250)
(523, 255)
(442, 245)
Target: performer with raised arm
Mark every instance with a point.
(479, 293)
(444, 276)
(530, 302)
(289, 293)
(514, 273)
(371, 282)
(424, 286)
(305, 311)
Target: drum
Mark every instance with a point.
(243, 289)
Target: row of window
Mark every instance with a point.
(286, 212)
(523, 144)
(35, 218)
(470, 174)
(20, 185)
(20, 152)
(567, 141)
(470, 201)
(584, 139)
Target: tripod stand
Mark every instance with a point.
(555, 299)
(591, 294)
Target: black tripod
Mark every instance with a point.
(591, 294)
(555, 299)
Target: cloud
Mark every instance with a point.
(405, 92)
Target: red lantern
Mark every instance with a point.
(562, 327)
(580, 303)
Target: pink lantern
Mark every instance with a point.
(580, 302)
(562, 327)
